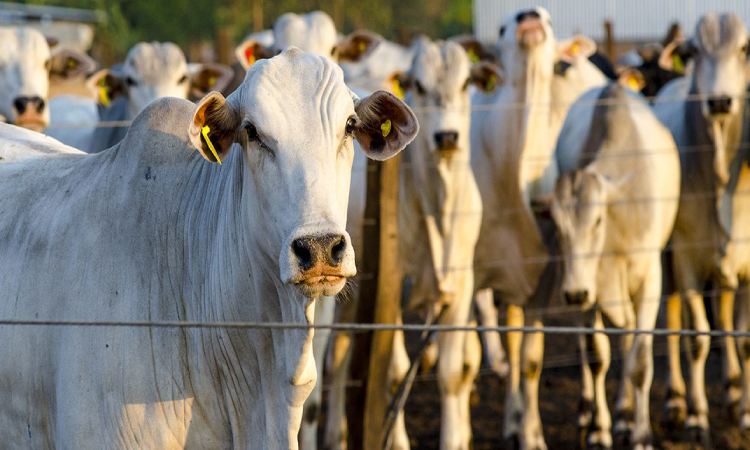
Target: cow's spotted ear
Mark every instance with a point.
(106, 86)
(214, 124)
(250, 51)
(68, 63)
(208, 77)
(385, 125)
(576, 47)
(356, 46)
(486, 76)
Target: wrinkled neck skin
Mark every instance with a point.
(444, 187)
(721, 166)
(264, 376)
(532, 117)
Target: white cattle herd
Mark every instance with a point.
(528, 178)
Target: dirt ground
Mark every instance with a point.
(559, 396)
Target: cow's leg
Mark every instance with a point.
(458, 365)
(600, 430)
(586, 404)
(698, 347)
(624, 416)
(335, 437)
(493, 346)
(743, 324)
(513, 396)
(640, 360)
(324, 310)
(399, 365)
(731, 363)
(533, 356)
(675, 407)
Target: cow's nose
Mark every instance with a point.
(22, 103)
(328, 249)
(577, 297)
(720, 104)
(446, 140)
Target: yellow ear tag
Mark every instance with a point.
(211, 81)
(103, 94)
(575, 49)
(677, 65)
(250, 60)
(385, 128)
(633, 83)
(207, 130)
(362, 47)
(491, 82)
(397, 91)
(473, 57)
(71, 63)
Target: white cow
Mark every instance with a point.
(26, 65)
(512, 140)
(615, 159)
(375, 71)
(150, 71)
(313, 32)
(708, 133)
(171, 236)
(439, 219)
(19, 144)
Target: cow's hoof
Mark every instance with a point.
(511, 442)
(675, 413)
(700, 436)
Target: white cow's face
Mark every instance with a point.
(154, 70)
(24, 77)
(314, 32)
(294, 120)
(526, 38)
(579, 209)
(720, 48)
(438, 85)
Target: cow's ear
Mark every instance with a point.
(675, 56)
(632, 79)
(356, 46)
(213, 127)
(68, 63)
(476, 50)
(576, 47)
(250, 51)
(486, 76)
(208, 77)
(398, 83)
(52, 41)
(385, 125)
(105, 86)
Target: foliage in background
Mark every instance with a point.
(187, 22)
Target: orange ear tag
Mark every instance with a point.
(250, 55)
(205, 131)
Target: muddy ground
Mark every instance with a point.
(559, 396)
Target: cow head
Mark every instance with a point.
(292, 123)
(314, 32)
(719, 50)
(579, 209)
(438, 89)
(154, 70)
(25, 66)
(526, 36)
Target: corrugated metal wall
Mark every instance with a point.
(633, 20)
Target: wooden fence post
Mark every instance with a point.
(379, 302)
(609, 42)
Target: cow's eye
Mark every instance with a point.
(48, 65)
(502, 31)
(252, 132)
(351, 125)
(130, 81)
(598, 221)
(420, 88)
(744, 49)
(182, 79)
